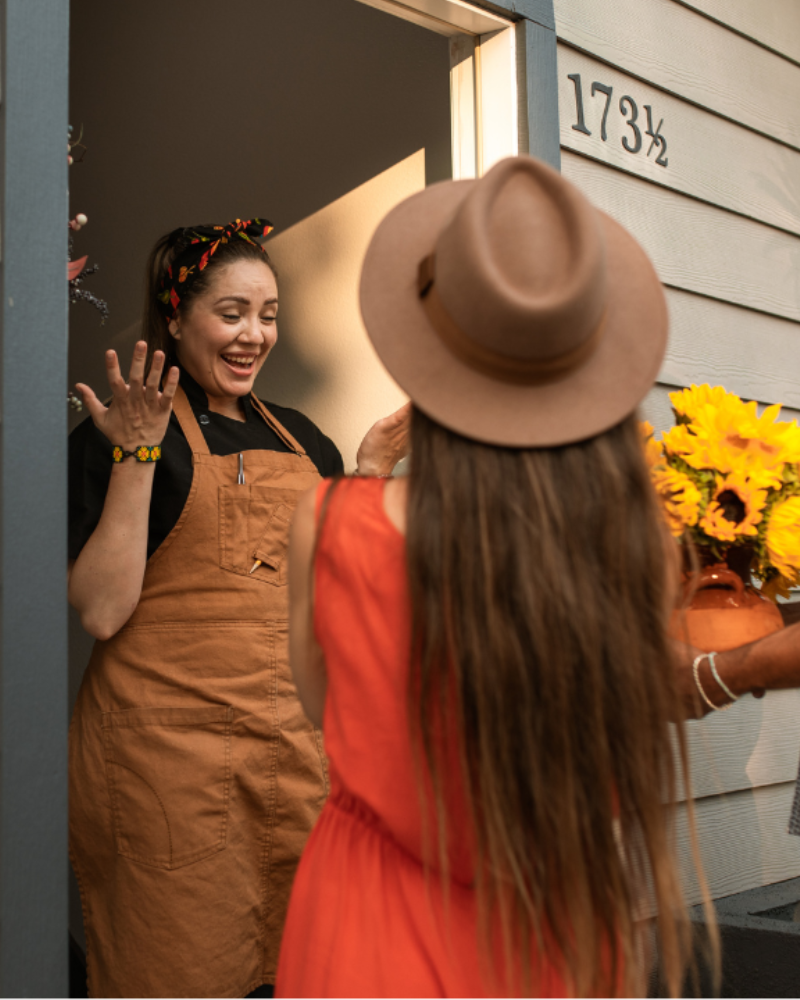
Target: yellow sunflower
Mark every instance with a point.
(653, 451)
(688, 402)
(779, 586)
(728, 435)
(783, 539)
(680, 496)
(735, 510)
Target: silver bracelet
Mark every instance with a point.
(711, 660)
(696, 672)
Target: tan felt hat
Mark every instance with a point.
(511, 310)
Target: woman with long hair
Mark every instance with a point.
(194, 775)
(485, 642)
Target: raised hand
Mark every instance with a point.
(138, 412)
(385, 444)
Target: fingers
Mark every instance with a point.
(137, 365)
(96, 409)
(170, 385)
(403, 415)
(115, 379)
(154, 378)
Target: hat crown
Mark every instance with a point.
(521, 267)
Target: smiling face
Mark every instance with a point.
(224, 337)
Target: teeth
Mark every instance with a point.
(238, 361)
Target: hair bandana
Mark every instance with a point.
(204, 241)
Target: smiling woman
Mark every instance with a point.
(194, 776)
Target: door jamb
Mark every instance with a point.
(504, 66)
(34, 46)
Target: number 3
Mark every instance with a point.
(632, 122)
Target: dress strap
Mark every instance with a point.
(189, 425)
(290, 442)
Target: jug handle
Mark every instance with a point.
(721, 576)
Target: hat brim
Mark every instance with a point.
(593, 398)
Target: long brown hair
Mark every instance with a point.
(540, 595)
(155, 326)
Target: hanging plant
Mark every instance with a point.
(77, 271)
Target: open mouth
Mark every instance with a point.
(241, 364)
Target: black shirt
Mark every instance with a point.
(90, 461)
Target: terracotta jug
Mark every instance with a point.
(724, 612)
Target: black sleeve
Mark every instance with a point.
(320, 449)
(332, 464)
(89, 469)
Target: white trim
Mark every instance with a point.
(498, 122)
(463, 107)
(447, 17)
(483, 78)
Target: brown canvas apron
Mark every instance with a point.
(195, 777)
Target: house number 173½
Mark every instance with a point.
(633, 142)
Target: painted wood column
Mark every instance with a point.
(33, 499)
(537, 75)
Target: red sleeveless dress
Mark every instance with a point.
(363, 920)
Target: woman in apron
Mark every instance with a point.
(195, 777)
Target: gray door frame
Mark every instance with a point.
(537, 74)
(33, 498)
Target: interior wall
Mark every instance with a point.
(193, 112)
(319, 116)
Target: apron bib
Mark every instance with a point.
(195, 777)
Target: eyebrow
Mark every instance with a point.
(244, 300)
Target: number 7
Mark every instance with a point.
(608, 91)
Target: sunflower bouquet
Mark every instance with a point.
(729, 480)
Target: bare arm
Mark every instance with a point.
(105, 581)
(385, 444)
(770, 664)
(306, 657)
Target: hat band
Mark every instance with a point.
(520, 371)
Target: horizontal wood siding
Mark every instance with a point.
(774, 23)
(754, 355)
(756, 743)
(695, 247)
(675, 48)
(743, 841)
(708, 157)
(721, 223)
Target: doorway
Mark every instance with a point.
(319, 116)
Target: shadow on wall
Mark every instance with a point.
(194, 112)
(323, 363)
(313, 114)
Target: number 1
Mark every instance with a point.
(581, 125)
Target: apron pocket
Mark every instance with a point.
(169, 773)
(269, 552)
(254, 531)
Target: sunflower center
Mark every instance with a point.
(733, 508)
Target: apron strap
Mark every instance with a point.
(276, 426)
(197, 442)
(186, 418)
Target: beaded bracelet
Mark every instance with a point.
(142, 454)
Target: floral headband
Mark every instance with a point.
(203, 244)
